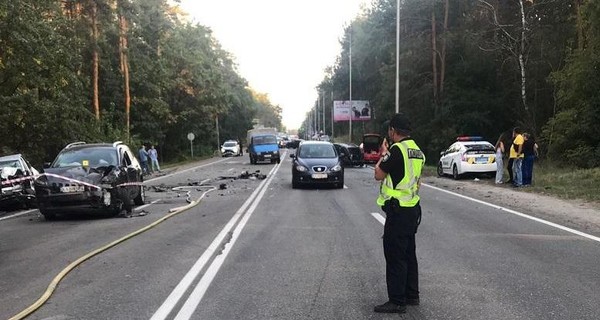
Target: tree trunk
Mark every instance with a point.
(522, 59)
(443, 54)
(125, 70)
(580, 41)
(434, 53)
(95, 60)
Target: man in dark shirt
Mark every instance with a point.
(399, 169)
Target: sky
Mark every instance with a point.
(281, 47)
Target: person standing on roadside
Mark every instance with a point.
(530, 152)
(153, 154)
(399, 170)
(143, 155)
(516, 153)
(499, 159)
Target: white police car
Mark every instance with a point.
(468, 155)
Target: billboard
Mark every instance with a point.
(360, 110)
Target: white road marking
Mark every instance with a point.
(183, 171)
(17, 214)
(345, 187)
(146, 205)
(552, 224)
(187, 311)
(181, 288)
(379, 217)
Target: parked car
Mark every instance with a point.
(231, 148)
(101, 178)
(350, 154)
(371, 147)
(263, 147)
(293, 143)
(316, 162)
(468, 155)
(16, 175)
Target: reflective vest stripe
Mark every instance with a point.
(407, 190)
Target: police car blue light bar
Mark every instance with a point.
(469, 138)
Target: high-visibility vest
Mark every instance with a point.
(407, 190)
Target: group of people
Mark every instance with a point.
(522, 152)
(148, 156)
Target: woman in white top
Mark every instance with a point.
(499, 161)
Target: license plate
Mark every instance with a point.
(267, 155)
(68, 189)
(481, 160)
(319, 175)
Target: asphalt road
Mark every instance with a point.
(260, 250)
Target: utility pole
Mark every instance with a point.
(397, 56)
(323, 105)
(217, 125)
(332, 111)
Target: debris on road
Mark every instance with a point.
(246, 175)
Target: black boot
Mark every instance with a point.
(390, 307)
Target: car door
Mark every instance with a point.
(131, 171)
(447, 157)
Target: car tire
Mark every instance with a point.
(294, 184)
(440, 170)
(141, 197)
(341, 184)
(278, 160)
(455, 174)
(48, 215)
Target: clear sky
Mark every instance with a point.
(282, 47)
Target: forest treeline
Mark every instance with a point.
(477, 67)
(107, 70)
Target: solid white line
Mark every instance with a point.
(194, 299)
(552, 224)
(345, 187)
(17, 214)
(147, 205)
(379, 217)
(182, 171)
(173, 298)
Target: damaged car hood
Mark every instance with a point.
(90, 175)
(6, 172)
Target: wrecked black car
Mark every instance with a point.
(16, 175)
(99, 178)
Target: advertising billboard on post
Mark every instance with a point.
(360, 110)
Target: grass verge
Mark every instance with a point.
(562, 182)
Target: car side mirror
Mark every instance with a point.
(342, 154)
(293, 156)
(442, 153)
(46, 165)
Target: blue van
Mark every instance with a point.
(263, 147)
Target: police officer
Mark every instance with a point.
(399, 170)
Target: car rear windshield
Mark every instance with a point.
(479, 148)
(371, 140)
(317, 151)
(229, 144)
(94, 157)
(264, 140)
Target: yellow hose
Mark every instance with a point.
(54, 283)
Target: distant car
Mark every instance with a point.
(101, 178)
(16, 175)
(468, 155)
(263, 147)
(231, 148)
(371, 147)
(350, 154)
(324, 137)
(316, 162)
(293, 144)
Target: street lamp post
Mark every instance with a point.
(350, 85)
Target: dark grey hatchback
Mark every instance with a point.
(316, 162)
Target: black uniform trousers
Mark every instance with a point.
(399, 248)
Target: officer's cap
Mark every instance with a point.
(400, 123)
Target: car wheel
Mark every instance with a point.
(455, 174)
(141, 197)
(294, 184)
(48, 215)
(341, 184)
(440, 170)
(278, 160)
